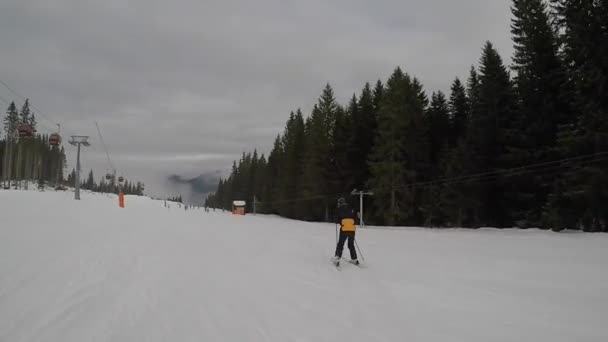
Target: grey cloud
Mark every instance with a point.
(173, 81)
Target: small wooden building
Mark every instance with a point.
(238, 207)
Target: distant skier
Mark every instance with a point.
(345, 217)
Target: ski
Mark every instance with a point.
(337, 263)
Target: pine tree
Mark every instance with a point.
(491, 134)
(215, 199)
(72, 178)
(439, 126)
(11, 120)
(23, 162)
(90, 183)
(260, 179)
(294, 147)
(473, 95)
(140, 188)
(62, 164)
(342, 174)
(539, 82)
(461, 201)
(385, 162)
(378, 95)
(364, 119)
(24, 115)
(400, 152)
(317, 161)
(416, 152)
(272, 196)
(349, 156)
(420, 94)
(32, 121)
(10, 128)
(459, 112)
(540, 73)
(578, 197)
(251, 173)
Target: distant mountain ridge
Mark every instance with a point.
(194, 190)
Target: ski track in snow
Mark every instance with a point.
(90, 271)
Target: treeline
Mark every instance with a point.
(28, 159)
(33, 158)
(177, 199)
(107, 185)
(500, 150)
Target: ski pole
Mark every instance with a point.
(357, 245)
(336, 233)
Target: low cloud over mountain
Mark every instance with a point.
(194, 190)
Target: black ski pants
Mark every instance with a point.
(350, 236)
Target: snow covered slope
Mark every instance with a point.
(90, 271)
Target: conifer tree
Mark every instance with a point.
(578, 197)
(11, 120)
(342, 173)
(491, 134)
(317, 161)
(473, 95)
(90, 183)
(400, 154)
(439, 126)
(10, 127)
(459, 112)
(364, 121)
(539, 81)
(25, 114)
(385, 162)
(378, 95)
(438, 123)
(294, 148)
(272, 197)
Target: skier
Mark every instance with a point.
(345, 217)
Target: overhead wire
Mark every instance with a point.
(105, 147)
(501, 172)
(60, 125)
(5, 101)
(30, 102)
(41, 124)
(35, 108)
(558, 166)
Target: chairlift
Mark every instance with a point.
(25, 130)
(54, 139)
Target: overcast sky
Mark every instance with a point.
(183, 87)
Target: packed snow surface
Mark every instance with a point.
(90, 271)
